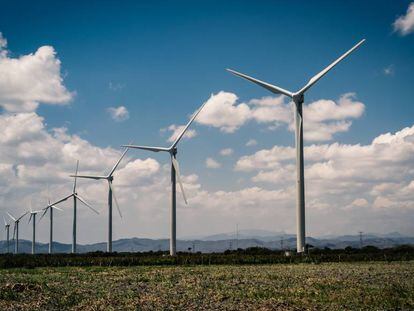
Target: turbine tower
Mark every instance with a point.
(16, 231)
(33, 218)
(298, 99)
(111, 193)
(50, 208)
(7, 228)
(175, 173)
(75, 197)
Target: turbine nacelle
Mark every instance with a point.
(298, 98)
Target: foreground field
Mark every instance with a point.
(328, 286)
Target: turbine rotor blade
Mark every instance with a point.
(119, 161)
(22, 216)
(5, 222)
(14, 230)
(153, 149)
(115, 199)
(87, 204)
(316, 78)
(55, 207)
(30, 218)
(11, 216)
(89, 176)
(61, 200)
(187, 126)
(43, 214)
(272, 88)
(76, 173)
(177, 173)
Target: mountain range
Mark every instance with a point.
(222, 242)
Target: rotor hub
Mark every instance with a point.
(298, 98)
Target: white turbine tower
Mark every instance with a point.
(111, 193)
(33, 218)
(50, 208)
(175, 172)
(298, 99)
(16, 230)
(7, 228)
(75, 197)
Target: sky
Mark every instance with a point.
(78, 80)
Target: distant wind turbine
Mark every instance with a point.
(298, 99)
(50, 208)
(7, 228)
(75, 197)
(111, 193)
(16, 230)
(175, 172)
(33, 218)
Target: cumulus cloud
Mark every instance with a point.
(404, 24)
(119, 113)
(211, 163)
(176, 130)
(377, 175)
(31, 79)
(375, 178)
(323, 118)
(226, 152)
(221, 111)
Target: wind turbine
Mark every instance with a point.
(298, 99)
(75, 197)
(33, 218)
(16, 230)
(7, 228)
(111, 193)
(175, 172)
(50, 208)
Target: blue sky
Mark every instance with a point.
(163, 59)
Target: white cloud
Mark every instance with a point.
(119, 113)
(176, 130)
(221, 111)
(211, 163)
(3, 42)
(251, 142)
(377, 175)
(31, 79)
(338, 177)
(226, 152)
(323, 118)
(405, 23)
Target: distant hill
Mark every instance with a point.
(222, 242)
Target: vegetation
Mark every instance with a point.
(326, 286)
(239, 257)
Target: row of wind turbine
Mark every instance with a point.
(298, 100)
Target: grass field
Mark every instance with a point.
(328, 286)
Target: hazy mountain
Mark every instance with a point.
(263, 235)
(222, 242)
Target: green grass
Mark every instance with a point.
(328, 286)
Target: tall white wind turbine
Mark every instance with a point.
(111, 194)
(33, 218)
(16, 230)
(50, 207)
(175, 172)
(75, 197)
(7, 228)
(298, 99)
